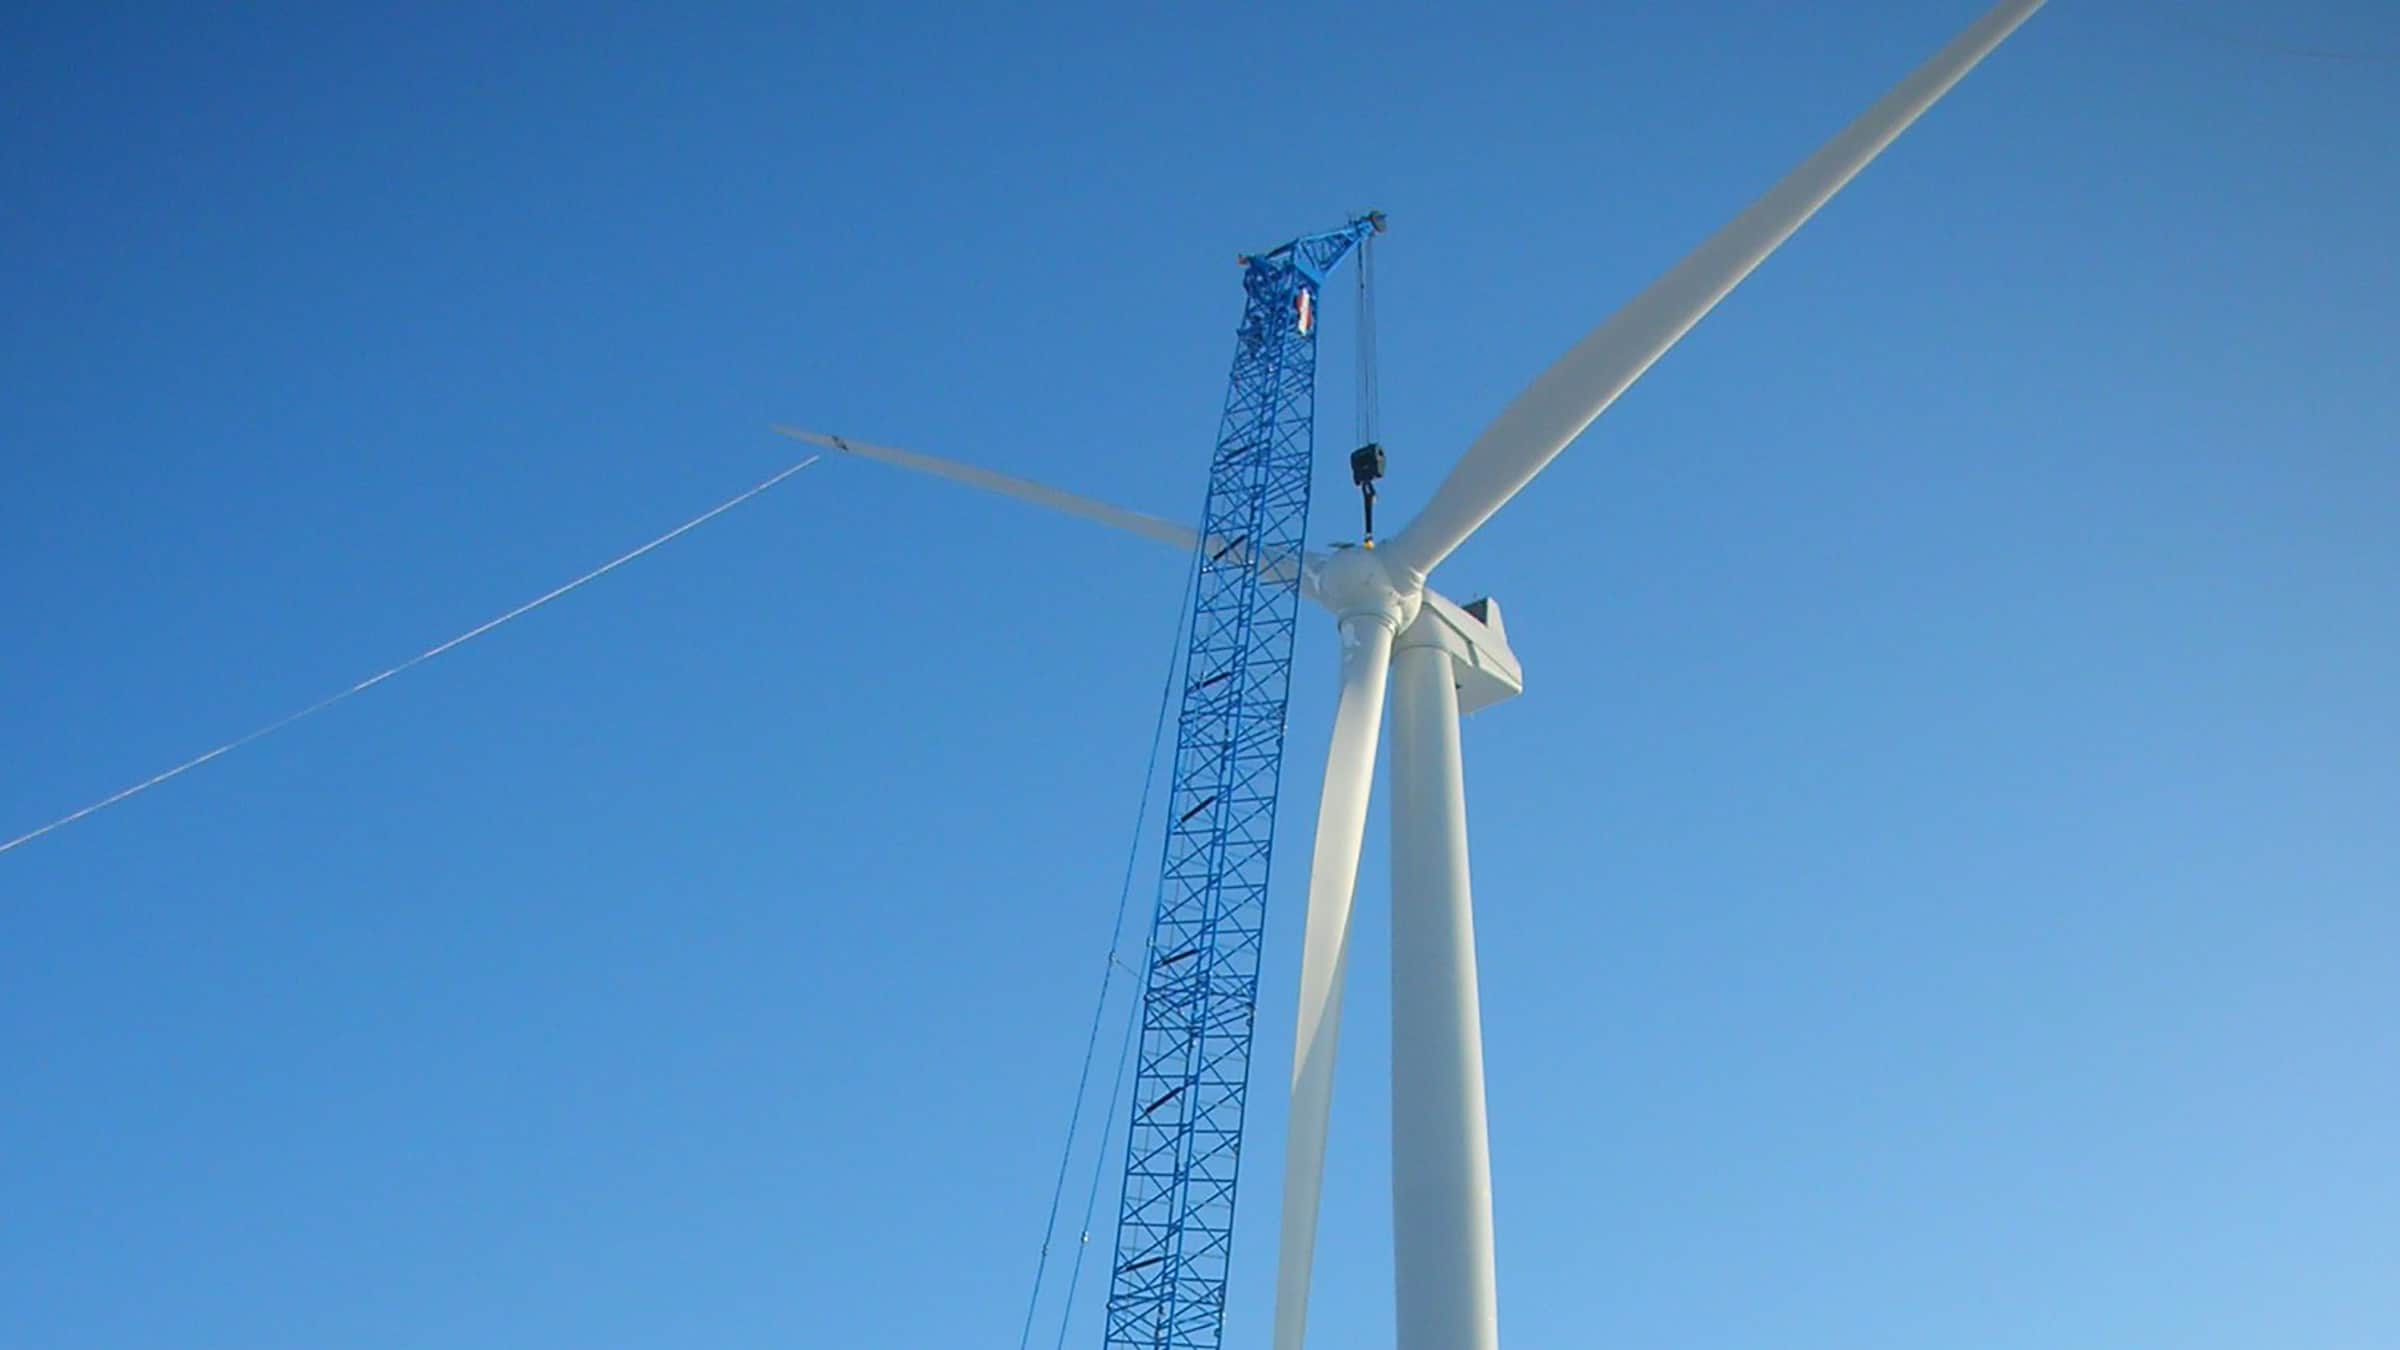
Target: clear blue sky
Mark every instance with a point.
(1940, 887)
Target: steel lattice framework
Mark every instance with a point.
(1175, 1221)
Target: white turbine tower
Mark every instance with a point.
(1442, 660)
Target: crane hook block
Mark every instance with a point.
(1366, 465)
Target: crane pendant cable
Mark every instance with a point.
(419, 659)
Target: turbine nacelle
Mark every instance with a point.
(1482, 666)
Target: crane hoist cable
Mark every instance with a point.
(1367, 461)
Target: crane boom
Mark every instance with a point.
(1200, 993)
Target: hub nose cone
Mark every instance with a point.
(1356, 582)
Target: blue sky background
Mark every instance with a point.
(1938, 888)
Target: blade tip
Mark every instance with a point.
(826, 439)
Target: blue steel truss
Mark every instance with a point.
(1200, 997)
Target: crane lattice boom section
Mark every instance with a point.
(1192, 1066)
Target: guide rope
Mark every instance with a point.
(1108, 975)
(419, 659)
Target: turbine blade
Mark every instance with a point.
(1531, 431)
(1325, 957)
(1057, 499)
(1024, 490)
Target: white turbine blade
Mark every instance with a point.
(1024, 490)
(1325, 955)
(1057, 499)
(1531, 431)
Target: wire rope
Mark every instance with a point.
(1108, 976)
(419, 659)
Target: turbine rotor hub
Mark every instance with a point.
(1356, 583)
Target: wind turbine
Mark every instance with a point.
(1440, 661)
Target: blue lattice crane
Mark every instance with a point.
(1200, 999)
